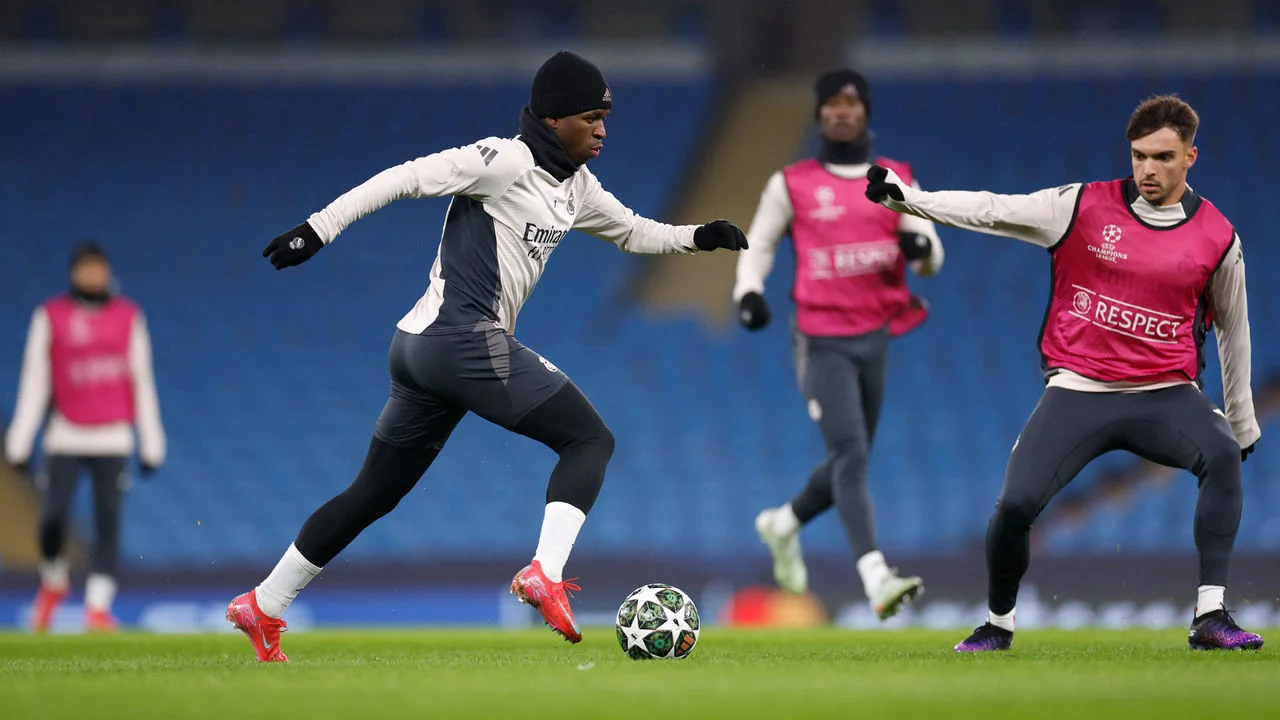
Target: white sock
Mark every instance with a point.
(873, 570)
(99, 591)
(785, 521)
(1210, 598)
(560, 525)
(290, 575)
(55, 574)
(1004, 622)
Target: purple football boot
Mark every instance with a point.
(1218, 631)
(987, 638)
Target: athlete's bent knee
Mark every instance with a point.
(1017, 511)
(1222, 461)
(605, 442)
(849, 446)
(595, 440)
(591, 452)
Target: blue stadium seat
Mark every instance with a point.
(270, 382)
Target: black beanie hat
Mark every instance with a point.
(568, 84)
(830, 84)
(88, 250)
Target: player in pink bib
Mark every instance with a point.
(1142, 268)
(851, 296)
(87, 379)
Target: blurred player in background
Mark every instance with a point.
(87, 366)
(851, 297)
(1141, 267)
(454, 352)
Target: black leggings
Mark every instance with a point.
(843, 383)
(63, 477)
(1177, 427)
(566, 422)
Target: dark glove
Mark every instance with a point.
(753, 311)
(294, 247)
(719, 234)
(146, 470)
(914, 246)
(1246, 452)
(879, 187)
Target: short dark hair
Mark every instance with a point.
(86, 250)
(1161, 111)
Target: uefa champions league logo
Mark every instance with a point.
(1107, 251)
(80, 328)
(827, 210)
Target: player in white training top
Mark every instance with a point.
(454, 352)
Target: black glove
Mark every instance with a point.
(1246, 452)
(146, 470)
(914, 246)
(294, 247)
(719, 234)
(878, 188)
(753, 311)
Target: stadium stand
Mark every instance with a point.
(270, 382)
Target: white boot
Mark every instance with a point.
(892, 592)
(780, 531)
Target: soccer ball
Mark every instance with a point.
(657, 621)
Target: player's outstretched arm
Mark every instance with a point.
(1041, 218)
(483, 171)
(1229, 304)
(605, 217)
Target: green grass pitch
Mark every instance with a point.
(732, 673)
